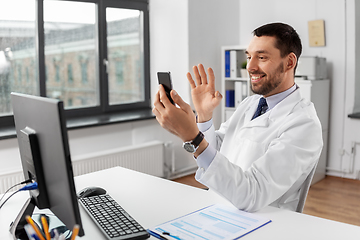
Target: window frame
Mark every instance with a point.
(104, 108)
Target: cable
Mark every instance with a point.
(9, 198)
(26, 181)
(30, 186)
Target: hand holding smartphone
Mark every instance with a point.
(164, 79)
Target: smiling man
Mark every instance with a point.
(264, 152)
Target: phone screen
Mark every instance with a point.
(164, 78)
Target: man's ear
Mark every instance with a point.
(291, 61)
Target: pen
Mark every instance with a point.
(173, 236)
(34, 236)
(156, 235)
(62, 237)
(56, 234)
(31, 222)
(45, 227)
(29, 230)
(75, 231)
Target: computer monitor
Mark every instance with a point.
(45, 157)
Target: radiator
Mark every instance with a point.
(147, 158)
(9, 179)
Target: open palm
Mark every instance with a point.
(203, 93)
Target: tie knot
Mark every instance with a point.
(262, 102)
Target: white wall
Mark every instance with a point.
(169, 43)
(186, 33)
(339, 16)
(212, 24)
(169, 51)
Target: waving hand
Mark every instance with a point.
(203, 93)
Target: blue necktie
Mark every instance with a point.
(261, 109)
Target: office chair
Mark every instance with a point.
(304, 190)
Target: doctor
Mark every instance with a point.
(264, 152)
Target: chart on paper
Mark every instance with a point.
(214, 222)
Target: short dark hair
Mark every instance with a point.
(287, 39)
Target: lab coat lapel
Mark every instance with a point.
(283, 108)
(279, 111)
(261, 121)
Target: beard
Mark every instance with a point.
(271, 83)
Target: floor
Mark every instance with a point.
(332, 198)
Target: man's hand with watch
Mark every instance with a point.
(197, 145)
(192, 146)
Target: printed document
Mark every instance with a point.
(214, 222)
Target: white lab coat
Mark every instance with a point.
(264, 161)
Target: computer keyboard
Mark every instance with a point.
(112, 219)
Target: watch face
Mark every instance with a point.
(189, 147)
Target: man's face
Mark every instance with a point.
(265, 66)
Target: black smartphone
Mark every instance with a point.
(164, 78)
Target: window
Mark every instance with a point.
(124, 39)
(119, 71)
(70, 74)
(84, 78)
(17, 52)
(96, 62)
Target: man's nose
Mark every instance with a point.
(251, 65)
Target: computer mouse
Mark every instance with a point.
(91, 191)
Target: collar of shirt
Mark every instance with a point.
(275, 99)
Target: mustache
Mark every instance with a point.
(257, 72)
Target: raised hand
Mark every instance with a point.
(203, 93)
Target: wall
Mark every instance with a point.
(169, 43)
(192, 33)
(339, 16)
(212, 24)
(184, 34)
(169, 51)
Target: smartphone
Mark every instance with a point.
(164, 78)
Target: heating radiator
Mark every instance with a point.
(147, 158)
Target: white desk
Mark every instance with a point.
(151, 201)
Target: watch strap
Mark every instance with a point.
(197, 140)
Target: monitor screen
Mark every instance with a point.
(45, 155)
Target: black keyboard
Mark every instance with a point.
(112, 219)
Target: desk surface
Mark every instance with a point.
(152, 201)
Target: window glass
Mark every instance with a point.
(17, 51)
(125, 56)
(70, 53)
(91, 70)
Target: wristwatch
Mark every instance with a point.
(192, 146)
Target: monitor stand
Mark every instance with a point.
(17, 226)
